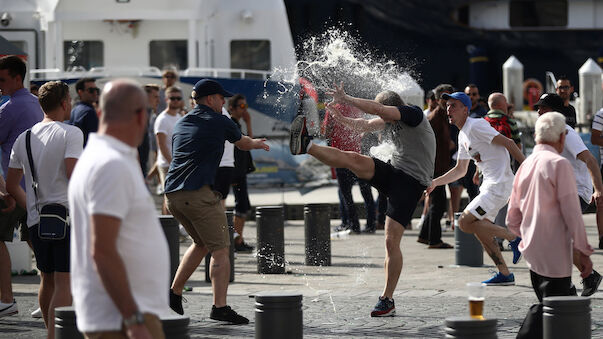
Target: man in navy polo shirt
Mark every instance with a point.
(197, 147)
(83, 114)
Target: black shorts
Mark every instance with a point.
(223, 180)
(402, 190)
(239, 189)
(51, 255)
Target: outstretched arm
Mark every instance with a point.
(387, 113)
(510, 146)
(246, 143)
(457, 172)
(360, 125)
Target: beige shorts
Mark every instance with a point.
(202, 215)
(162, 174)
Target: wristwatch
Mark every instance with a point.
(135, 319)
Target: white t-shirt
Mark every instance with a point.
(228, 155)
(598, 125)
(165, 124)
(107, 181)
(51, 143)
(574, 146)
(475, 142)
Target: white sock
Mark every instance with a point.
(309, 145)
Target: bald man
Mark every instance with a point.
(116, 292)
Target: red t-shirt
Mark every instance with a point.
(342, 137)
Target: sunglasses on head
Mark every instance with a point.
(93, 90)
(175, 98)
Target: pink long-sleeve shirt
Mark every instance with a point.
(544, 210)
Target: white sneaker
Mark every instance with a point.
(8, 309)
(37, 313)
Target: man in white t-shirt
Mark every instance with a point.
(226, 168)
(164, 125)
(490, 151)
(55, 148)
(596, 138)
(119, 255)
(587, 175)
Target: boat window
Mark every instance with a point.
(250, 54)
(538, 13)
(81, 53)
(169, 53)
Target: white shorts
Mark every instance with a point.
(491, 198)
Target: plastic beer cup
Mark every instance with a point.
(476, 292)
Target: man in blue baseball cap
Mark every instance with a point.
(490, 150)
(197, 147)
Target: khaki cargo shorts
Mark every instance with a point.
(202, 215)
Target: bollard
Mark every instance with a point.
(317, 224)
(64, 323)
(229, 222)
(468, 250)
(271, 240)
(566, 317)
(175, 326)
(170, 227)
(468, 328)
(278, 315)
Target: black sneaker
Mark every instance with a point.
(243, 247)
(299, 138)
(176, 302)
(227, 314)
(385, 308)
(591, 284)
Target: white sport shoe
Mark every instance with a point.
(8, 309)
(37, 313)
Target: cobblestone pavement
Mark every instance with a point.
(338, 299)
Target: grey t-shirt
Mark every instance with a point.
(415, 145)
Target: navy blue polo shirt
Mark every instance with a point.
(197, 147)
(83, 115)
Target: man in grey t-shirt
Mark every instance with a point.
(402, 181)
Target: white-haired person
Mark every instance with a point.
(545, 212)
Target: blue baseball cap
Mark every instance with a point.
(460, 96)
(207, 87)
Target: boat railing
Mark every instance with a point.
(238, 73)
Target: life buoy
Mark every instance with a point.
(532, 90)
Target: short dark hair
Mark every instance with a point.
(80, 85)
(563, 77)
(51, 94)
(471, 85)
(14, 65)
(441, 88)
(232, 102)
(389, 98)
(430, 95)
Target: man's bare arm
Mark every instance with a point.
(162, 144)
(510, 146)
(387, 113)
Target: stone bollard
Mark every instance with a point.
(229, 222)
(170, 227)
(317, 224)
(468, 250)
(64, 323)
(271, 240)
(278, 315)
(174, 326)
(468, 328)
(566, 317)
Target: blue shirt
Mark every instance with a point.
(16, 116)
(197, 147)
(84, 116)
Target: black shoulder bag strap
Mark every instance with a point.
(34, 183)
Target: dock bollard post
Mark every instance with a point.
(270, 240)
(468, 328)
(229, 222)
(566, 317)
(64, 323)
(278, 315)
(317, 227)
(170, 227)
(467, 249)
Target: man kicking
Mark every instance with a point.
(402, 181)
(490, 150)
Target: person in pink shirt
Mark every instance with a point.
(541, 185)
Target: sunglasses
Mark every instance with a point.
(563, 87)
(93, 90)
(243, 106)
(169, 76)
(175, 98)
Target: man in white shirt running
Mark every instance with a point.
(490, 150)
